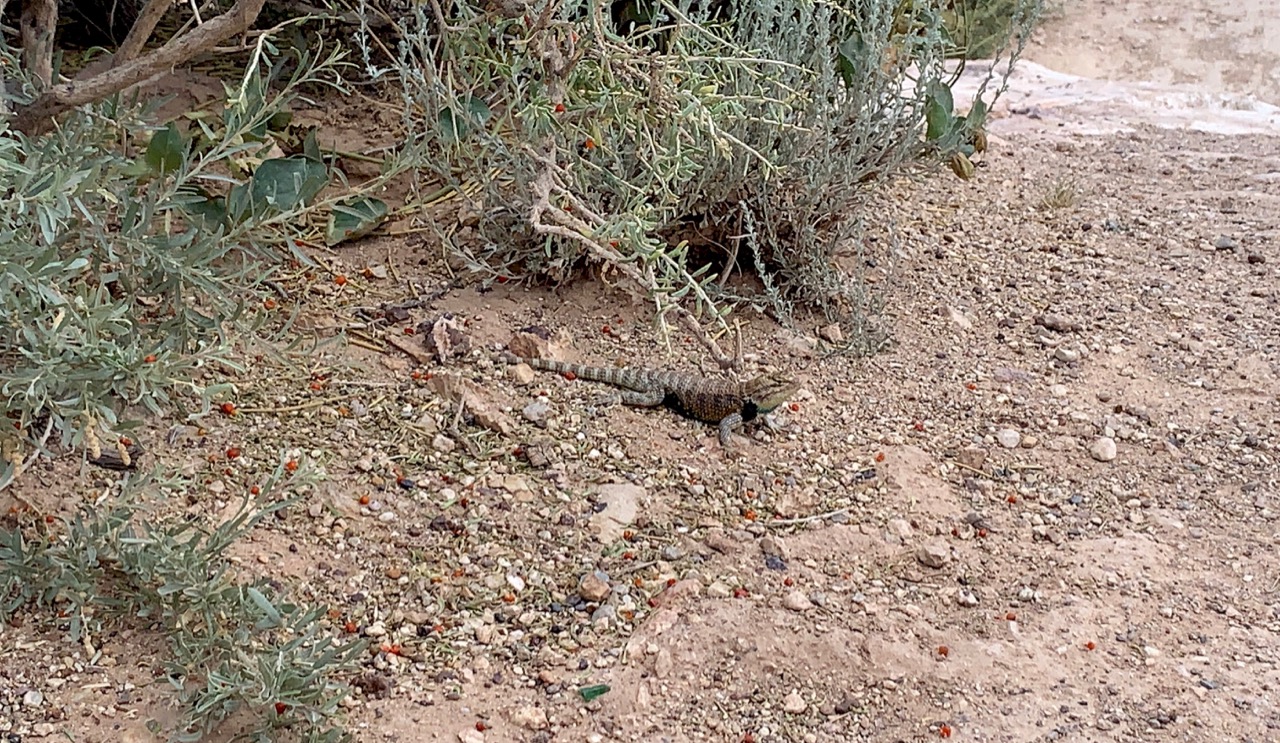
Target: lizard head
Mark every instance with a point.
(768, 391)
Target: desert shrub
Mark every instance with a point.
(129, 254)
(677, 139)
(234, 643)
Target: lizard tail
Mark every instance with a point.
(580, 371)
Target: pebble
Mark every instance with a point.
(1058, 323)
(1103, 449)
(521, 374)
(972, 457)
(934, 553)
(797, 601)
(444, 444)
(594, 588)
(900, 528)
(775, 545)
(33, 698)
(1009, 438)
(1066, 355)
(530, 717)
(831, 334)
(536, 412)
(793, 703)
(471, 736)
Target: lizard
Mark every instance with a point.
(727, 404)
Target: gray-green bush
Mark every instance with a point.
(235, 644)
(128, 254)
(748, 132)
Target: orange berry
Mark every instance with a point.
(149, 359)
(291, 465)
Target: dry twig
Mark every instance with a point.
(38, 116)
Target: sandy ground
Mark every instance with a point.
(1047, 513)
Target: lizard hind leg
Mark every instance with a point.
(629, 397)
(636, 399)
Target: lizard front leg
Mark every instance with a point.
(728, 425)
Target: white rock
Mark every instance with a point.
(1009, 438)
(1103, 449)
(793, 703)
(797, 601)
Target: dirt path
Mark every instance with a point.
(1213, 45)
(1048, 513)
